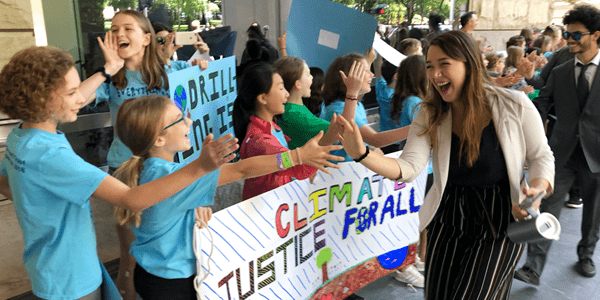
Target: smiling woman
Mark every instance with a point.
(465, 124)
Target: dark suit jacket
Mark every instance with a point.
(560, 91)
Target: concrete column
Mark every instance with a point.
(16, 28)
(239, 14)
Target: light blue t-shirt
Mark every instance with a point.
(51, 186)
(164, 240)
(410, 109)
(384, 97)
(280, 137)
(118, 152)
(360, 118)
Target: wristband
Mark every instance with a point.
(286, 160)
(103, 70)
(363, 156)
(352, 98)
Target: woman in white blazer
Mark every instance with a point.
(481, 137)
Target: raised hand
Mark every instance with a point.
(217, 152)
(354, 79)
(282, 41)
(509, 79)
(110, 49)
(352, 141)
(203, 213)
(169, 48)
(370, 55)
(318, 156)
(200, 62)
(525, 67)
(200, 45)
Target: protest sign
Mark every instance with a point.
(320, 240)
(207, 98)
(319, 31)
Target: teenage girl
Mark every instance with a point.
(155, 130)
(50, 185)
(338, 99)
(134, 67)
(261, 97)
(297, 122)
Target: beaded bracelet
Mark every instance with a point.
(279, 165)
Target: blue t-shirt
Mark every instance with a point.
(118, 152)
(384, 96)
(51, 186)
(164, 240)
(360, 118)
(410, 109)
(280, 137)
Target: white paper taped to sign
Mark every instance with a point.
(328, 39)
(388, 52)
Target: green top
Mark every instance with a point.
(300, 125)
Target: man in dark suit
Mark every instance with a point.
(574, 89)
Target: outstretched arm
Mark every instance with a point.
(310, 154)
(214, 154)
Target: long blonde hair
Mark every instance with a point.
(139, 123)
(460, 46)
(152, 69)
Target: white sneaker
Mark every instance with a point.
(411, 276)
(419, 264)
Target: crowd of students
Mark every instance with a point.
(473, 132)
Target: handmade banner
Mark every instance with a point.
(319, 31)
(207, 98)
(322, 240)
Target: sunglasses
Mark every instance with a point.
(576, 36)
(180, 120)
(161, 40)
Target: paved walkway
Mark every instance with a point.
(558, 282)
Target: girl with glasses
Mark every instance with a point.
(51, 185)
(134, 67)
(163, 249)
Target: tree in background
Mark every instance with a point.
(122, 4)
(191, 9)
(406, 9)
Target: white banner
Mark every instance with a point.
(321, 240)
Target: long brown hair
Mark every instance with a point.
(514, 55)
(139, 123)
(334, 87)
(153, 69)
(460, 46)
(411, 81)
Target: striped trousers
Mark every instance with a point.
(469, 255)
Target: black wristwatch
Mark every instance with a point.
(103, 71)
(363, 156)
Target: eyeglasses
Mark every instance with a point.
(180, 120)
(161, 40)
(576, 36)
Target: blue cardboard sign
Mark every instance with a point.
(207, 98)
(319, 31)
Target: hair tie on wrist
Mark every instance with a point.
(352, 98)
(299, 158)
(363, 156)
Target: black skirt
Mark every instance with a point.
(469, 255)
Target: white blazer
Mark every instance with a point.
(521, 134)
